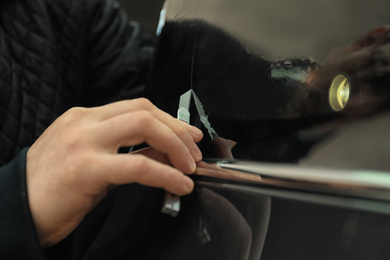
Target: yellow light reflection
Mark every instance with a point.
(339, 92)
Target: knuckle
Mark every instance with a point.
(76, 111)
(140, 163)
(182, 132)
(144, 118)
(74, 140)
(73, 115)
(145, 104)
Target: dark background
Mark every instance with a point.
(146, 12)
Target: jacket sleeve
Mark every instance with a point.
(119, 54)
(18, 237)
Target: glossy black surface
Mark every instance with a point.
(264, 85)
(275, 110)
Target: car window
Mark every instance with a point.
(288, 82)
(293, 101)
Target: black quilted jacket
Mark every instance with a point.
(55, 54)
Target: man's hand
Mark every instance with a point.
(366, 59)
(75, 161)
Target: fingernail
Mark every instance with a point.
(195, 131)
(193, 167)
(198, 153)
(188, 184)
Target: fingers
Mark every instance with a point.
(371, 63)
(378, 71)
(122, 107)
(153, 154)
(87, 163)
(366, 63)
(128, 168)
(188, 134)
(356, 61)
(374, 38)
(140, 126)
(194, 131)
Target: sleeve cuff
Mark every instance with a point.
(18, 237)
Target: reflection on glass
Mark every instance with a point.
(339, 92)
(212, 170)
(278, 81)
(263, 109)
(237, 229)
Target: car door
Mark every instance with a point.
(293, 101)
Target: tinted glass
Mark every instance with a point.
(263, 72)
(300, 88)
